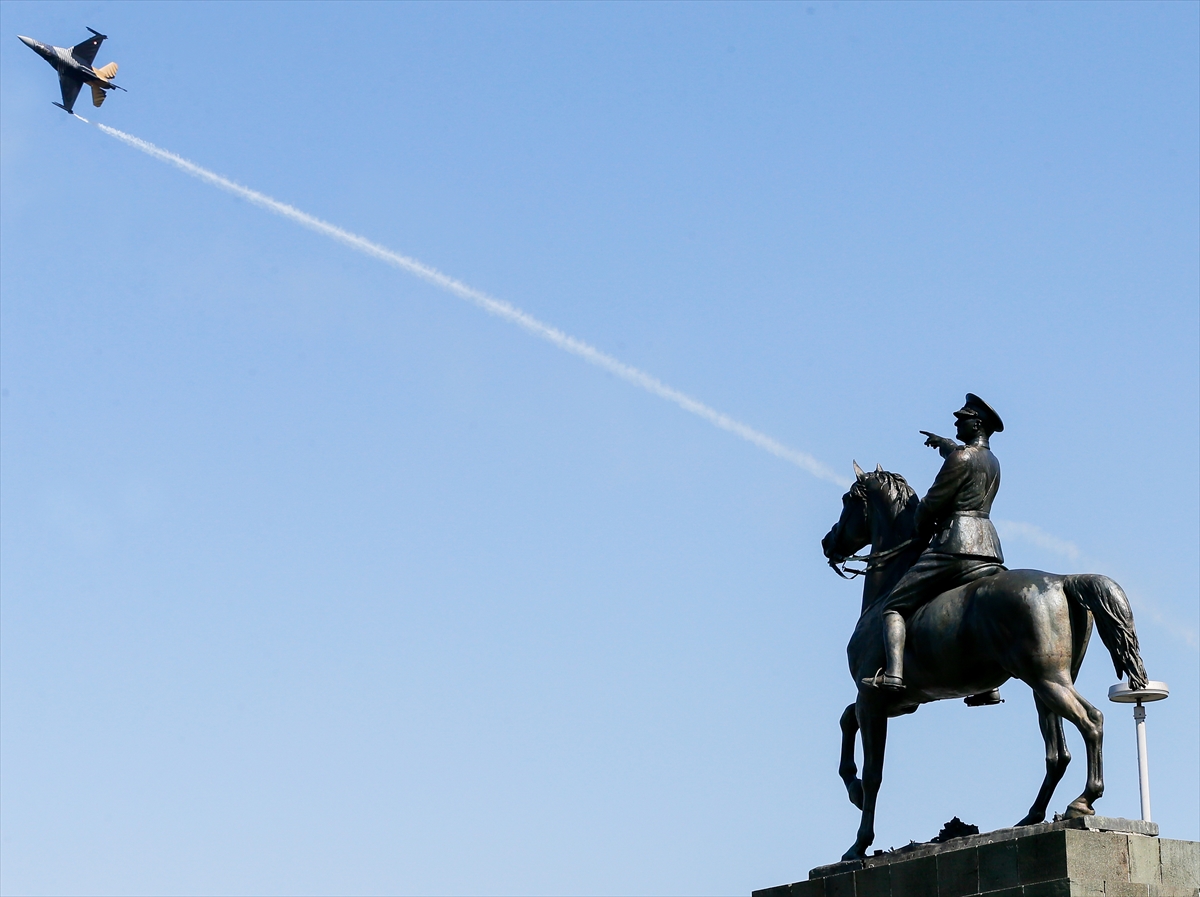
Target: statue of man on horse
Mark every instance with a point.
(942, 617)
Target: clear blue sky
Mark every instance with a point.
(317, 579)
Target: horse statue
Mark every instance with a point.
(1022, 624)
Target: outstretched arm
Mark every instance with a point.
(944, 446)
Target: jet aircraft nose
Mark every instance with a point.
(37, 47)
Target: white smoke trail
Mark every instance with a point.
(1035, 535)
(495, 306)
(1079, 559)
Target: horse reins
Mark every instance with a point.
(872, 560)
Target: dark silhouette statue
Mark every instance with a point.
(943, 618)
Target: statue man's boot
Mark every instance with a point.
(984, 699)
(891, 678)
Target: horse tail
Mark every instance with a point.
(1114, 621)
(1081, 634)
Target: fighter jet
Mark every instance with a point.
(74, 67)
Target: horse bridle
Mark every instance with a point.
(872, 560)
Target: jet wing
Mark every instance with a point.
(70, 90)
(86, 51)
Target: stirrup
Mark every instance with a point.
(884, 682)
(984, 699)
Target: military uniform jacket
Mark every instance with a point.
(957, 507)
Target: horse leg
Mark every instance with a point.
(1062, 699)
(847, 770)
(872, 721)
(1057, 758)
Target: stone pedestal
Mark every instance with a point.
(1094, 856)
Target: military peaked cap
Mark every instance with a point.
(977, 407)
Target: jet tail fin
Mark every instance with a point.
(108, 72)
(85, 52)
(97, 96)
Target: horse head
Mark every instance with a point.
(878, 510)
(852, 530)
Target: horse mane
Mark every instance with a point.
(899, 508)
(894, 486)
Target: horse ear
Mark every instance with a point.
(879, 468)
(858, 472)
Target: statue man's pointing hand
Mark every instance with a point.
(941, 443)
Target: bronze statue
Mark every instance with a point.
(987, 625)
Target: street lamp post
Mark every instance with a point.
(1121, 693)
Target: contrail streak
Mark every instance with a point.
(495, 306)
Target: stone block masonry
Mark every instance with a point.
(1093, 856)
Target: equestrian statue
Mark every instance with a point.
(942, 617)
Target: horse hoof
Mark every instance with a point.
(1031, 819)
(1077, 809)
(853, 854)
